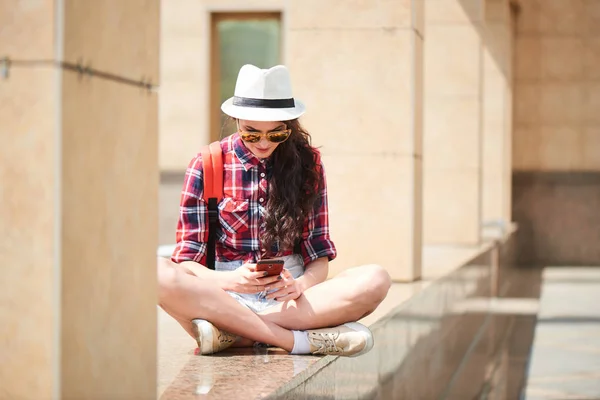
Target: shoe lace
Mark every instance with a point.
(226, 337)
(326, 343)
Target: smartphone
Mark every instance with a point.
(273, 267)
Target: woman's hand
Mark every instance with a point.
(246, 279)
(287, 288)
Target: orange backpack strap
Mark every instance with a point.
(212, 167)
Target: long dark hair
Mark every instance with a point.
(294, 186)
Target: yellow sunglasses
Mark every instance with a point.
(273, 137)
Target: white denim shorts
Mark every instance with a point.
(257, 302)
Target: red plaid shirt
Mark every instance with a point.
(245, 193)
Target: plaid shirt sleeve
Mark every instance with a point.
(316, 241)
(192, 226)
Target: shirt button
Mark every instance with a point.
(261, 199)
(262, 175)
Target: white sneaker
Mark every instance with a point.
(351, 339)
(211, 339)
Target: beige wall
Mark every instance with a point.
(468, 119)
(496, 153)
(453, 121)
(28, 157)
(79, 201)
(366, 113)
(557, 89)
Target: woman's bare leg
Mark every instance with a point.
(187, 297)
(350, 296)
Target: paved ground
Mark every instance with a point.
(169, 195)
(565, 360)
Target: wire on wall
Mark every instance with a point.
(6, 64)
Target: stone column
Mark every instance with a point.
(78, 203)
(453, 121)
(358, 66)
(497, 113)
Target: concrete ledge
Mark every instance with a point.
(420, 344)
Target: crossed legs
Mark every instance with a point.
(348, 297)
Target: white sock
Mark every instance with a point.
(301, 344)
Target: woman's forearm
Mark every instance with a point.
(314, 273)
(202, 272)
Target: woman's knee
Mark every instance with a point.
(374, 283)
(168, 279)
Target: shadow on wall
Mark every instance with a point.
(488, 12)
(558, 216)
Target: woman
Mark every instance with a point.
(274, 207)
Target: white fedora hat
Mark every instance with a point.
(263, 95)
